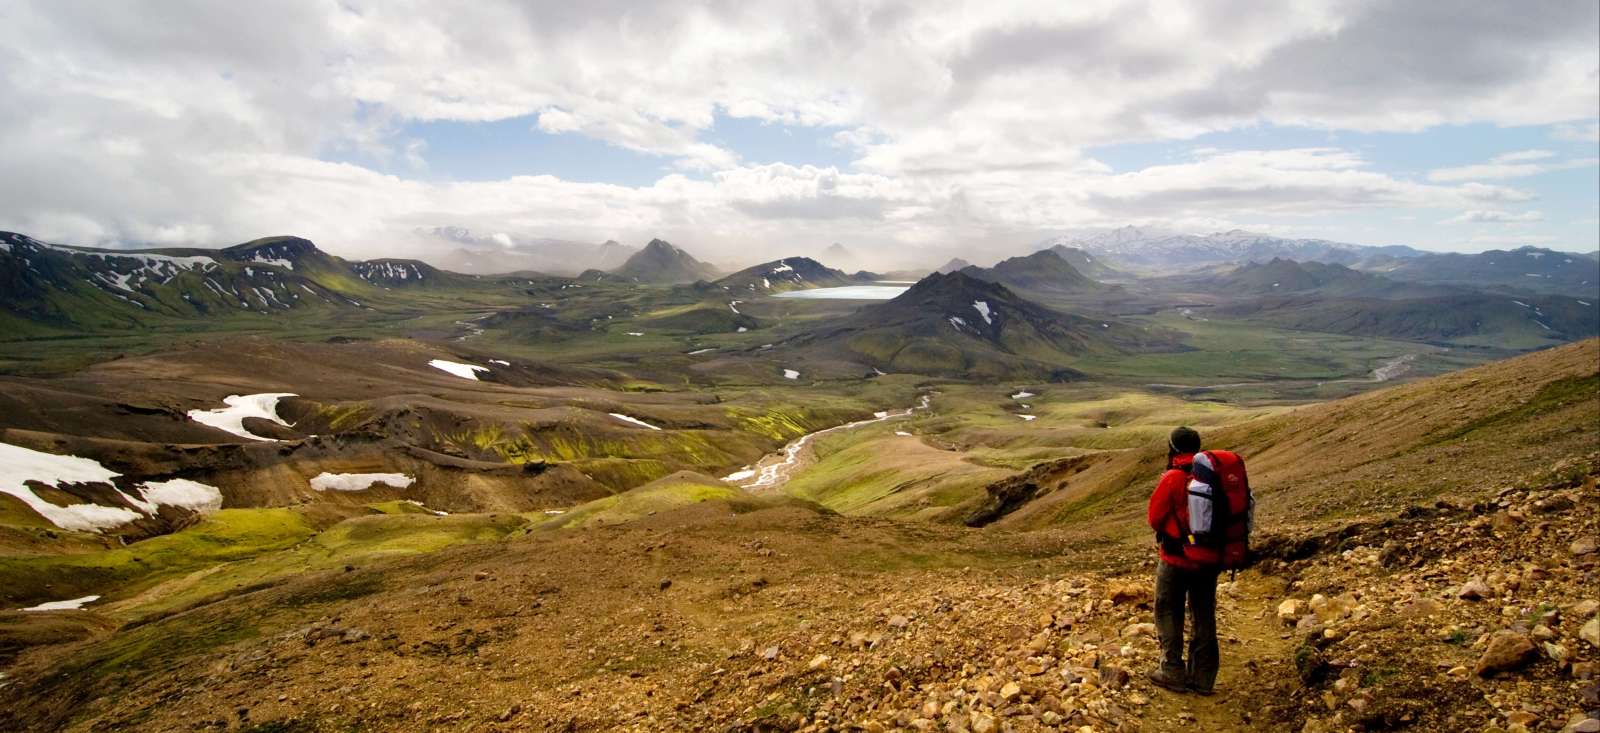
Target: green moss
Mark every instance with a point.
(661, 496)
(228, 535)
(1556, 395)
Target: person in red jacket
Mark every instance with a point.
(1186, 576)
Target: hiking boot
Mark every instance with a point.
(1168, 679)
(1203, 691)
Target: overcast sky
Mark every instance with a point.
(747, 126)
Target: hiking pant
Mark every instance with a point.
(1196, 589)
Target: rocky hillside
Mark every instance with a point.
(1427, 561)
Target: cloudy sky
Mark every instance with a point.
(749, 126)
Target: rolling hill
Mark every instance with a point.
(1280, 276)
(1472, 319)
(1455, 433)
(661, 263)
(958, 325)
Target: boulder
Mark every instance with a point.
(1591, 631)
(1474, 590)
(1507, 651)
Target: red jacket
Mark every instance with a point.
(1169, 516)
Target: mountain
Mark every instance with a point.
(790, 273)
(957, 325)
(660, 262)
(1279, 276)
(841, 256)
(1528, 269)
(1091, 266)
(953, 265)
(86, 288)
(1044, 271)
(612, 254)
(1166, 251)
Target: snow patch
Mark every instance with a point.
(181, 492)
(983, 310)
(424, 507)
(19, 466)
(75, 604)
(902, 433)
(230, 419)
(698, 352)
(359, 481)
(465, 371)
(634, 420)
(1023, 395)
(1028, 418)
(791, 374)
(265, 260)
(635, 333)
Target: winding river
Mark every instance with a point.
(775, 469)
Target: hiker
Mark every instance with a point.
(1201, 511)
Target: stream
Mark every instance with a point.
(775, 469)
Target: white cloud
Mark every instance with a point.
(971, 120)
(1519, 164)
(1577, 133)
(1482, 216)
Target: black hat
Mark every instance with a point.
(1184, 440)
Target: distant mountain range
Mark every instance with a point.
(503, 253)
(1166, 251)
(1530, 269)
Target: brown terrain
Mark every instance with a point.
(1428, 562)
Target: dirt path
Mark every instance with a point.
(1251, 639)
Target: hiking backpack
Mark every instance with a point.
(1221, 508)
